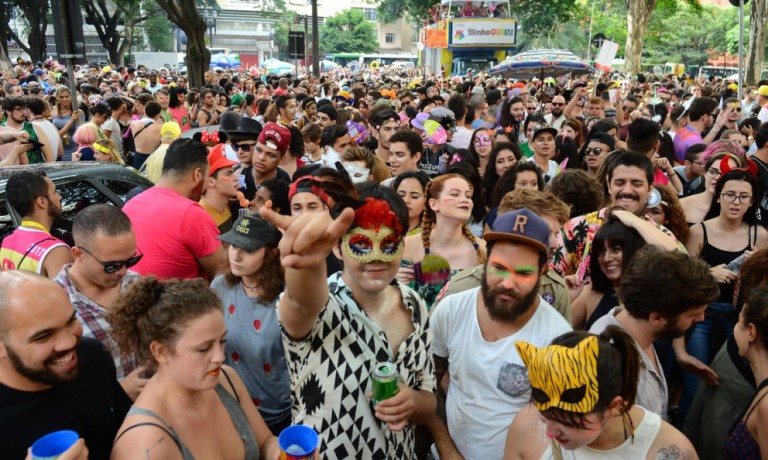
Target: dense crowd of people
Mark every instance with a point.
(566, 268)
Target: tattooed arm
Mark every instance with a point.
(145, 442)
(437, 425)
(670, 444)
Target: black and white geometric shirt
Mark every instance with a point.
(330, 375)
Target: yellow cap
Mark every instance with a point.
(763, 90)
(106, 69)
(170, 130)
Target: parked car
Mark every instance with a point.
(80, 184)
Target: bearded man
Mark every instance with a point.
(474, 335)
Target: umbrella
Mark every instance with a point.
(224, 60)
(328, 65)
(540, 63)
(277, 66)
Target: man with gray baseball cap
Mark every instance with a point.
(476, 331)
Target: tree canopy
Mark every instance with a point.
(348, 32)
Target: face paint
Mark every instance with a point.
(562, 377)
(522, 275)
(482, 141)
(367, 245)
(359, 175)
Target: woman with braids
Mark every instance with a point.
(444, 233)
(583, 404)
(193, 406)
(249, 292)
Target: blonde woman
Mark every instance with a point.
(105, 151)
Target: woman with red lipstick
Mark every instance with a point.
(697, 207)
(249, 293)
(193, 406)
(444, 233)
(583, 404)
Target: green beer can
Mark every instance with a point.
(385, 379)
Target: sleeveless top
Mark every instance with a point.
(27, 247)
(638, 448)
(715, 256)
(606, 303)
(69, 144)
(741, 445)
(230, 404)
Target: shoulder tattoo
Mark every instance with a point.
(674, 452)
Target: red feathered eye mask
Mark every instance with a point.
(374, 214)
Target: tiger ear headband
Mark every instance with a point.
(726, 167)
(562, 377)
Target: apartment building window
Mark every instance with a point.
(389, 38)
(370, 14)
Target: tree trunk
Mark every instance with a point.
(5, 61)
(756, 52)
(184, 14)
(638, 15)
(35, 13)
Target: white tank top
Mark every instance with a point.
(644, 436)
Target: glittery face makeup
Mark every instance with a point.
(522, 275)
(481, 140)
(358, 174)
(368, 245)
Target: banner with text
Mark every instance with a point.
(486, 33)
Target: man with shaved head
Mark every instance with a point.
(51, 378)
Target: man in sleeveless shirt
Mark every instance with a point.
(51, 378)
(14, 109)
(31, 246)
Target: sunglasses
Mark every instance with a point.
(596, 150)
(243, 147)
(558, 104)
(111, 266)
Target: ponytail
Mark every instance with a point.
(629, 358)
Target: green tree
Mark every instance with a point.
(115, 20)
(348, 32)
(34, 18)
(160, 31)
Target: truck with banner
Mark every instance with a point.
(455, 46)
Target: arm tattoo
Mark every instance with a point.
(146, 452)
(674, 452)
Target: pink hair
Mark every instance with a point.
(86, 134)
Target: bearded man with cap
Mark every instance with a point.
(474, 335)
(220, 190)
(268, 151)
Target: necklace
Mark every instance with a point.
(250, 288)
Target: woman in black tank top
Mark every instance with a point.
(720, 241)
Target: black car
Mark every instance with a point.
(80, 184)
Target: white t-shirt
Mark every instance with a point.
(488, 380)
(115, 135)
(763, 114)
(461, 138)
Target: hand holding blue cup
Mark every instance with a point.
(298, 442)
(52, 445)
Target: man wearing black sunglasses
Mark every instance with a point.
(105, 250)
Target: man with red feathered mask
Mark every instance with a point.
(338, 330)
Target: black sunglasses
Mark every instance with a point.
(596, 150)
(243, 147)
(111, 266)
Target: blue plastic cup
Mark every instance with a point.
(297, 442)
(50, 446)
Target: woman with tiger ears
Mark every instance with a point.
(583, 389)
(444, 233)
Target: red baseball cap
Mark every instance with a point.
(275, 136)
(217, 160)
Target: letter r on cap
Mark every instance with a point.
(520, 222)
